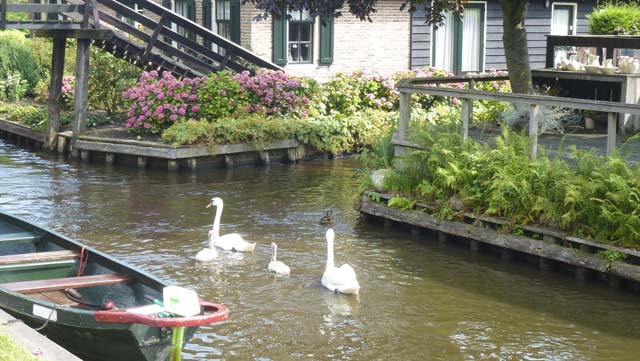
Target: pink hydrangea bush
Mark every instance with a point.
(159, 100)
(273, 92)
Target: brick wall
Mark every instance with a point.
(381, 46)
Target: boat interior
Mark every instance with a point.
(43, 266)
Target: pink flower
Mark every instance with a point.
(455, 101)
(195, 109)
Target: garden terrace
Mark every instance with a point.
(159, 47)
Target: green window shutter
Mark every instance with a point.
(235, 21)
(326, 40)
(206, 19)
(280, 40)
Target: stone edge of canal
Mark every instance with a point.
(34, 342)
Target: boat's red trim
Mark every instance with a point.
(213, 313)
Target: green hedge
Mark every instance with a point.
(615, 17)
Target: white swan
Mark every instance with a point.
(208, 254)
(336, 279)
(228, 242)
(276, 266)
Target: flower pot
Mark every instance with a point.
(589, 123)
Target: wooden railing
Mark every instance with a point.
(467, 96)
(153, 42)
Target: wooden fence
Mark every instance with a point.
(429, 86)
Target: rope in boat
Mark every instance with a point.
(84, 259)
(47, 321)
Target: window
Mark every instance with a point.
(300, 39)
(131, 4)
(458, 44)
(185, 8)
(294, 41)
(223, 18)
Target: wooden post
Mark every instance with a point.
(55, 92)
(62, 145)
(81, 93)
(442, 238)
(264, 157)
(192, 163)
(142, 162)
(467, 112)
(172, 165)
(84, 155)
(405, 116)
(109, 158)
(466, 118)
(533, 130)
(228, 161)
(611, 133)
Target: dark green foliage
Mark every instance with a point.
(329, 134)
(16, 57)
(108, 78)
(598, 198)
(219, 96)
(615, 17)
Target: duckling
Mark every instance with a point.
(327, 219)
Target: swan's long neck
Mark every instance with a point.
(330, 263)
(216, 221)
(274, 251)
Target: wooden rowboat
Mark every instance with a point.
(93, 305)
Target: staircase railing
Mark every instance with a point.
(149, 40)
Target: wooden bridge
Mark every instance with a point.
(157, 38)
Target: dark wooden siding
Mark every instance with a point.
(538, 23)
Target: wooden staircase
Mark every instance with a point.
(148, 38)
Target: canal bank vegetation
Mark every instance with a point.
(12, 351)
(587, 195)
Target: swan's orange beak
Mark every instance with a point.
(210, 205)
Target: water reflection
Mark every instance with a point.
(418, 301)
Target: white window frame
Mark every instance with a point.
(483, 61)
(575, 15)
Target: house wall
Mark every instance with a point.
(381, 46)
(538, 23)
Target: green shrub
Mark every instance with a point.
(332, 134)
(33, 117)
(599, 197)
(219, 96)
(615, 17)
(16, 57)
(13, 87)
(109, 77)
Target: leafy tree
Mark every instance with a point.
(513, 15)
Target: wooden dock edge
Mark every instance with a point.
(188, 156)
(540, 248)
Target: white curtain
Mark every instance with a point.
(471, 40)
(443, 54)
(560, 22)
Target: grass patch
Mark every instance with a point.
(12, 351)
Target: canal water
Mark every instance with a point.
(418, 301)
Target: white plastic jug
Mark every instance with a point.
(181, 301)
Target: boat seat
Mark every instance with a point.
(18, 237)
(64, 283)
(37, 257)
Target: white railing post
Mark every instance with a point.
(533, 129)
(611, 133)
(405, 116)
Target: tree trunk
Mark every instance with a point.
(515, 45)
